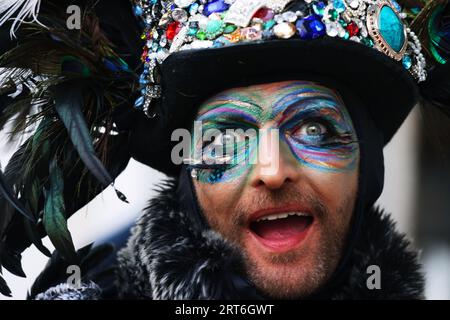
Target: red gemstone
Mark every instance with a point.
(172, 30)
(144, 54)
(264, 14)
(352, 29)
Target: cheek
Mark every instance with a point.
(336, 189)
(335, 159)
(216, 200)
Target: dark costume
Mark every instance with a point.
(84, 101)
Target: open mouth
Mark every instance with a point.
(281, 231)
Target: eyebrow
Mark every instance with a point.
(226, 107)
(301, 96)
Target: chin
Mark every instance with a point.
(290, 272)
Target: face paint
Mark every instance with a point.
(317, 127)
(311, 120)
(235, 119)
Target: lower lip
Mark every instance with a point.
(282, 245)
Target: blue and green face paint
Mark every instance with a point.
(311, 120)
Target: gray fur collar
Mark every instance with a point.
(166, 259)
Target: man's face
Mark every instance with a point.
(290, 223)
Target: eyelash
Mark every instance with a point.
(332, 136)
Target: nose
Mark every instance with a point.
(276, 165)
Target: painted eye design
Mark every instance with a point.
(310, 132)
(313, 128)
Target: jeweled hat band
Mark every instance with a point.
(172, 26)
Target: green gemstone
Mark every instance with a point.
(368, 42)
(334, 15)
(391, 28)
(229, 28)
(343, 23)
(201, 35)
(269, 24)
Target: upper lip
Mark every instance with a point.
(276, 210)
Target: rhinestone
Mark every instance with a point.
(250, 34)
(289, 16)
(179, 15)
(184, 3)
(284, 30)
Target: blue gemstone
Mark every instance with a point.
(396, 5)
(391, 28)
(339, 5)
(193, 8)
(311, 27)
(142, 80)
(138, 11)
(319, 7)
(215, 6)
(139, 102)
(407, 62)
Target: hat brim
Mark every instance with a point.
(388, 91)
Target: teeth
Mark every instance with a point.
(282, 216)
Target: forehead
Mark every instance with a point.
(271, 96)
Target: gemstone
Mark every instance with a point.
(215, 6)
(193, 9)
(201, 35)
(138, 11)
(319, 7)
(354, 4)
(334, 15)
(368, 42)
(214, 28)
(172, 30)
(396, 5)
(339, 5)
(229, 28)
(407, 62)
(220, 42)
(264, 14)
(289, 16)
(139, 102)
(165, 19)
(391, 28)
(332, 30)
(310, 27)
(179, 15)
(352, 29)
(284, 30)
(269, 24)
(184, 3)
(250, 34)
(200, 19)
(192, 31)
(234, 36)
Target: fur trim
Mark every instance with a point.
(64, 291)
(166, 259)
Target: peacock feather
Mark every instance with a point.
(71, 94)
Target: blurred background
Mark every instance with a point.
(417, 193)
